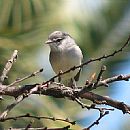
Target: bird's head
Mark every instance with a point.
(58, 39)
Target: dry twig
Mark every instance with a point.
(102, 114)
(39, 118)
(26, 77)
(8, 66)
(44, 128)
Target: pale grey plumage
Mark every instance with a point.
(64, 54)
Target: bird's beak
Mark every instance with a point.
(48, 42)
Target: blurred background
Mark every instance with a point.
(99, 27)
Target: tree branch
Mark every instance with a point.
(39, 118)
(26, 77)
(44, 128)
(9, 108)
(60, 91)
(97, 121)
(8, 66)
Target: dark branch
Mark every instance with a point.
(98, 99)
(61, 91)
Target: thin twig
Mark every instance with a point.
(105, 82)
(42, 128)
(113, 79)
(99, 78)
(39, 117)
(102, 114)
(29, 125)
(81, 103)
(92, 106)
(26, 77)
(90, 86)
(8, 66)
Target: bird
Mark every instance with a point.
(65, 54)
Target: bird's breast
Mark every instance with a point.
(64, 60)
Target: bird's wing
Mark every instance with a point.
(76, 78)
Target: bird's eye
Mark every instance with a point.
(59, 39)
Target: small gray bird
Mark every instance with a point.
(64, 54)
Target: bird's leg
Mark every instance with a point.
(59, 76)
(72, 83)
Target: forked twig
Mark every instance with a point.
(102, 114)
